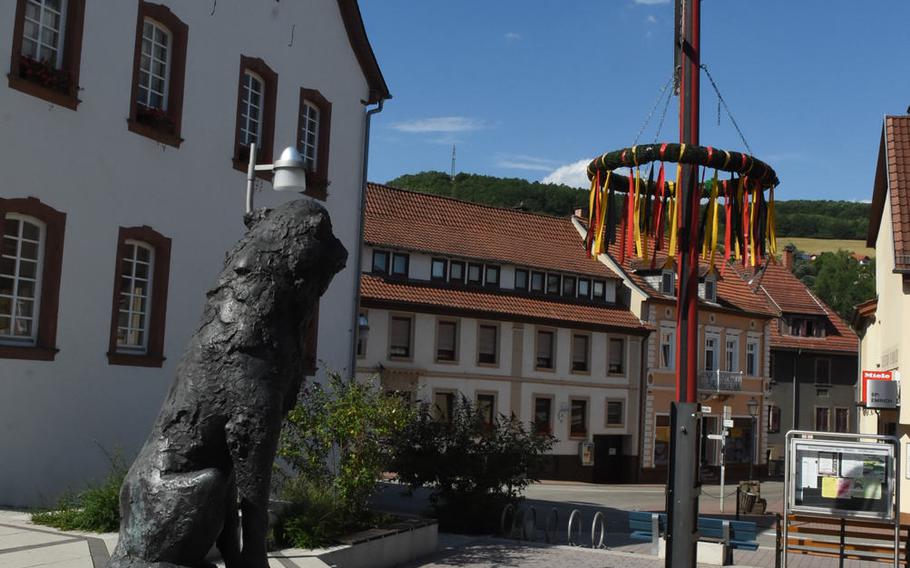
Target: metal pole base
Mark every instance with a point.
(683, 487)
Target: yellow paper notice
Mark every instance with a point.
(829, 487)
(835, 488)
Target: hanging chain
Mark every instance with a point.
(721, 101)
(663, 114)
(660, 96)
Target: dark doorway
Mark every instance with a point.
(608, 460)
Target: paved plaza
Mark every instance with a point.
(24, 545)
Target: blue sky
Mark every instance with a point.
(531, 88)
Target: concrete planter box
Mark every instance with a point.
(708, 553)
(375, 548)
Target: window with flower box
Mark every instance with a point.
(47, 49)
(159, 65)
(257, 97)
(31, 258)
(314, 122)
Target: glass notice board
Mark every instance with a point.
(842, 478)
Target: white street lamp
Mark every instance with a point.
(290, 173)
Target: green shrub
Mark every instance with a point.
(336, 442)
(95, 509)
(473, 468)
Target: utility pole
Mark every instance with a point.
(683, 485)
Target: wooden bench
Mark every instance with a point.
(848, 539)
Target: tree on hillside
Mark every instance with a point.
(548, 198)
(823, 219)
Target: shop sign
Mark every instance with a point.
(880, 389)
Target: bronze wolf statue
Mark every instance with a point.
(216, 436)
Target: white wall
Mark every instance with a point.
(469, 378)
(53, 415)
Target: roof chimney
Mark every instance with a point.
(789, 253)
(579, 212)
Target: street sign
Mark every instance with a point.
(715, 436)
(881, 394)
(728, 423)
(705, 409)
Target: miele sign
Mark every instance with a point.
(880, 389)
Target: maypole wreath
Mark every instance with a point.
(647, 214)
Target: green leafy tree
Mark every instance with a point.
(551, 199)
(842, 282)
(336, 442)
(473, 468)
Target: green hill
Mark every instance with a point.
(821, 219)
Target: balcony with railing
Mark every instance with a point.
(720, 381)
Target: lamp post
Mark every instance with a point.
(753, 412)
(290, 173)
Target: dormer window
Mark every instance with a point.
(710, 289)
(438, 269)
(537, 279)
(568, 286)
(475, 274)
(491, 276)
(599, 289)
(668, 283)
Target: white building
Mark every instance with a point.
(125, 129)
(504, 308)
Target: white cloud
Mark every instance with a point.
(574, 174)
(439, 124)
(650, 2)
(525, 162)
(517, 165)
(651, 19)
(513, 36)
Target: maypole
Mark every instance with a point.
(661, 224)
(683, 485)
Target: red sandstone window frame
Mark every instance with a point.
(154, 355)
(266, 149)
(317, 180)
(45, 347)
(73, 25)
(168, 134)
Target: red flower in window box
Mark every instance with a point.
(46, 75)
(157, 118)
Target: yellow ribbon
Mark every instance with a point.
(672, 208)
(713, 210)
(772, 236)
(752, 231)
(602, 228)
(739, 196)
(636, 210)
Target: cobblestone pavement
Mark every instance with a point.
(488, 552)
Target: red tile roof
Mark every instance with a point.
(382, 292)
(442, 225)
(892, 179)
(787, 292)
(732, 293)
(790, 296)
